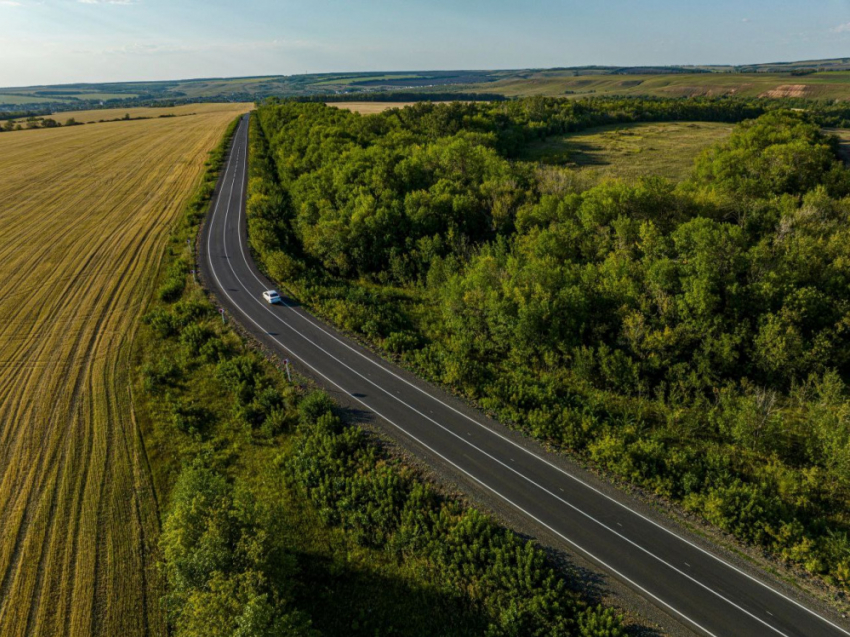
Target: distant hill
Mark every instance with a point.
(829, 79)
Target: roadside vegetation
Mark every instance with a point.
(277, 510)
(85, 216)
(692, 339)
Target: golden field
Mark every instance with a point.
(84, 218)
(111, 114)
(370, 108)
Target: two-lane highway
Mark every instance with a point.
(701, 590)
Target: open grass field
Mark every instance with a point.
(631, 151)
(832, 85)
(86, 211)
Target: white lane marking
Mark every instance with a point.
(484, 453)
(437, 453)
(481, 451)
(303, 315)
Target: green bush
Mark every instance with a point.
(194, 336)
(313, 406)
(161, 321)
(216, 558)
(160, 374)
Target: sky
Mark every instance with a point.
(64, 41)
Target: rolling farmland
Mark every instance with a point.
(86, 213)
(554, 83)
(138, 112)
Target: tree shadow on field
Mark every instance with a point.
(586, 154)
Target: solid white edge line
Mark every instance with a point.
(463, 440)
(446, 429)
(307, 317)
(438, 454)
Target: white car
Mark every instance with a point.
(271, 296)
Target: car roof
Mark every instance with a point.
(270, 292)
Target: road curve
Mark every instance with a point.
(700, 590)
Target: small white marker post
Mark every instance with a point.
(195, 277)
(286, 364)
(223, 319)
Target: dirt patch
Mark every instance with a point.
(787, 90)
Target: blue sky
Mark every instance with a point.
(56, 41)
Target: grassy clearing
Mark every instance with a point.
(86, 211)
(632, 151)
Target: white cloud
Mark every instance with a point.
(842, 28)
(746, 20)
(10, 3)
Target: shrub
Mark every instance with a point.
(313, 406)
(161, 321)
(194, 336)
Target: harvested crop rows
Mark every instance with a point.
(112, 114)
(84, 215)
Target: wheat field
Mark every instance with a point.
(111, 114)
(84, 215)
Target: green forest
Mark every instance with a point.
(280, 519)
(692, 338)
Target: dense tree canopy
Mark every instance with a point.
(694, 339)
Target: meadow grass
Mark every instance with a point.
(631, 151)
(86, 213)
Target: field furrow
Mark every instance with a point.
(84, 217)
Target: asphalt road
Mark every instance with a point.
(702, 591)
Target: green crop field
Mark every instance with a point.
(630, 151)
(14, 99)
